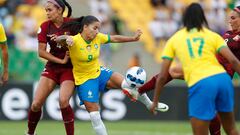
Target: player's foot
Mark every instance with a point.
(132, 93)
(162, 107)
(30, 134)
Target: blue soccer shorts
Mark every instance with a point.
(210, 95)
(89, 90)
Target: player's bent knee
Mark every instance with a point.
(63, 102)
(36, 106)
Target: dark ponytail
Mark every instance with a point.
(62, 4)
(69, 8)
(76, 26)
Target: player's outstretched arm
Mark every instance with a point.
(121, 38)
(226, 53)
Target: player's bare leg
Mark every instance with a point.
(228, 122)
(199, 127)
(215, 126)
(45, 87)
(117, 81)
(66, 91)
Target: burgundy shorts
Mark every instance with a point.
(58, 75)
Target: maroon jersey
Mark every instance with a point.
(48, 28)
(234, 46)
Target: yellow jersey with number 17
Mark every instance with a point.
(3, 38)
(196, 51)
(84, 56)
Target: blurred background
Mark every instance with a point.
(158, 19)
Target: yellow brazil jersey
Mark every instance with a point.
(196, 51)
(3, 38)
(84, 57)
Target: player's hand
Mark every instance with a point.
(152, 108)
(52, 36)
(65, 59)
(69, 41)
(137, 35)
(236, 38)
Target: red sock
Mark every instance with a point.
(68, 119)
(150, 85)
(215, 126)
(33, 118)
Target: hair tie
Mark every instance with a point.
(54, 2)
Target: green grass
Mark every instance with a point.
(114, 128)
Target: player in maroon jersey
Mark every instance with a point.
(55, 72)
(232, 39)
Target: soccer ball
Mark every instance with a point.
(135, 77)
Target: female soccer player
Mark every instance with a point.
(57, 59)
(201, 72)
(4, 48)
(232, 39)
(90, 77)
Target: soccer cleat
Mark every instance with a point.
(162, 107)
(30, 134)
(132, 93)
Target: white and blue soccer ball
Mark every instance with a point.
(135, 77)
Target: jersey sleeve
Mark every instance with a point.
(42, 33)
(103, 38)
(168, 52)
(3, 37)
(220, 43)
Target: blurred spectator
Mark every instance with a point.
(220, 4)
(156, 3)
(12, 5)
(162, 28)
(156, 30)
(26, 36)
(116, 24)
(214, 16)
(96, 5)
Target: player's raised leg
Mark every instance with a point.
(117, 81)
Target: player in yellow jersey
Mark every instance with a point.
(210, 87)
(4, 48)
(90, 78)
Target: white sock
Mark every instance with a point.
(124, 84)
(145, 100)
(97, 123)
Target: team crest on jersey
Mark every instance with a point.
(88, 48)
(96, 46)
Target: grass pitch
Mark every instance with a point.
(114, 128)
